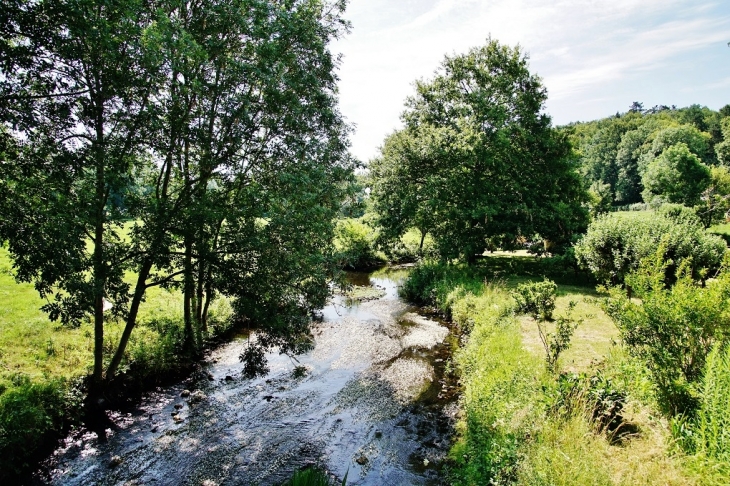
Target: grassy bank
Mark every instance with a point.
(42, 364)
(595, 421)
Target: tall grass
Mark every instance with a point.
(519, 424)
(313, 476)
(712, 429)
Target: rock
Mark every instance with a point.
(154, 429)
(185, 393)
(425, 462)
(196, 397)
(173, 413)
(115, 461)
(362, 460)
(211, 377)
(268, 398)
(178, 406)
(229, 378)
(378, 434)
(177, 419)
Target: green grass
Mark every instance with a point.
(510, 431)
(720, 229)
(33, 346)
(41, 360)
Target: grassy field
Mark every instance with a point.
(35, 347)
(518, 423)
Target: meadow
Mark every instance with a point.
(594, 421)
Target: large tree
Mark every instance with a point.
(676, 176)
(478, 158)
(223, 111)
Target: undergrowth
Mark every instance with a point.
(522, 424)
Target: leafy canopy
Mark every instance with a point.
(478, 159)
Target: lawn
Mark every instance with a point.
(32, 345)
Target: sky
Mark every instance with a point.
(595, 57)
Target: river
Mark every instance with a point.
(371, 401)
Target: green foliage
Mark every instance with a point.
(615, 244)
(711, 429)
(536, 299)
(313, 476)
(673, 329)
(676, 176)
(448, 175)
(215, 129)
(616, 151)
(501, 397)
(413, 246)
(715, 206)
(355, 244)
(31, 415)
(593, 394)
(722, 149)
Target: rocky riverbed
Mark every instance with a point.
(371, 401)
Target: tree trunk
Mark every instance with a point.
(139, 291)
(188, 293)
(98, 253)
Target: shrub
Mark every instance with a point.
(595, 394)
(712, 427)
(536, 299)
(354, 243)
(673, 329)
(31, 416)
(615, 244)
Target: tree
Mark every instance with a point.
(490, 164)
(676, 176)
(715, 203)
(403, 184)
(227, 111)
(76, 86)
(722, 149)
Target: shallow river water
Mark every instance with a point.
(373, 404)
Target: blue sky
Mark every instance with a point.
(595, 56)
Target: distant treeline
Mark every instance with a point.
(627, 158)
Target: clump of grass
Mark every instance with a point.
(712, 427)
(31, 413)
(313, 476)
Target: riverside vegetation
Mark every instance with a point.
(600, 414)
(188, 165)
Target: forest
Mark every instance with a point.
(176, 175)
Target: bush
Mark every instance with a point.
(615, 244)
(673, 329)
(32, 415)
(536, 299)
(354, 243)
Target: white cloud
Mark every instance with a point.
(583, 49)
